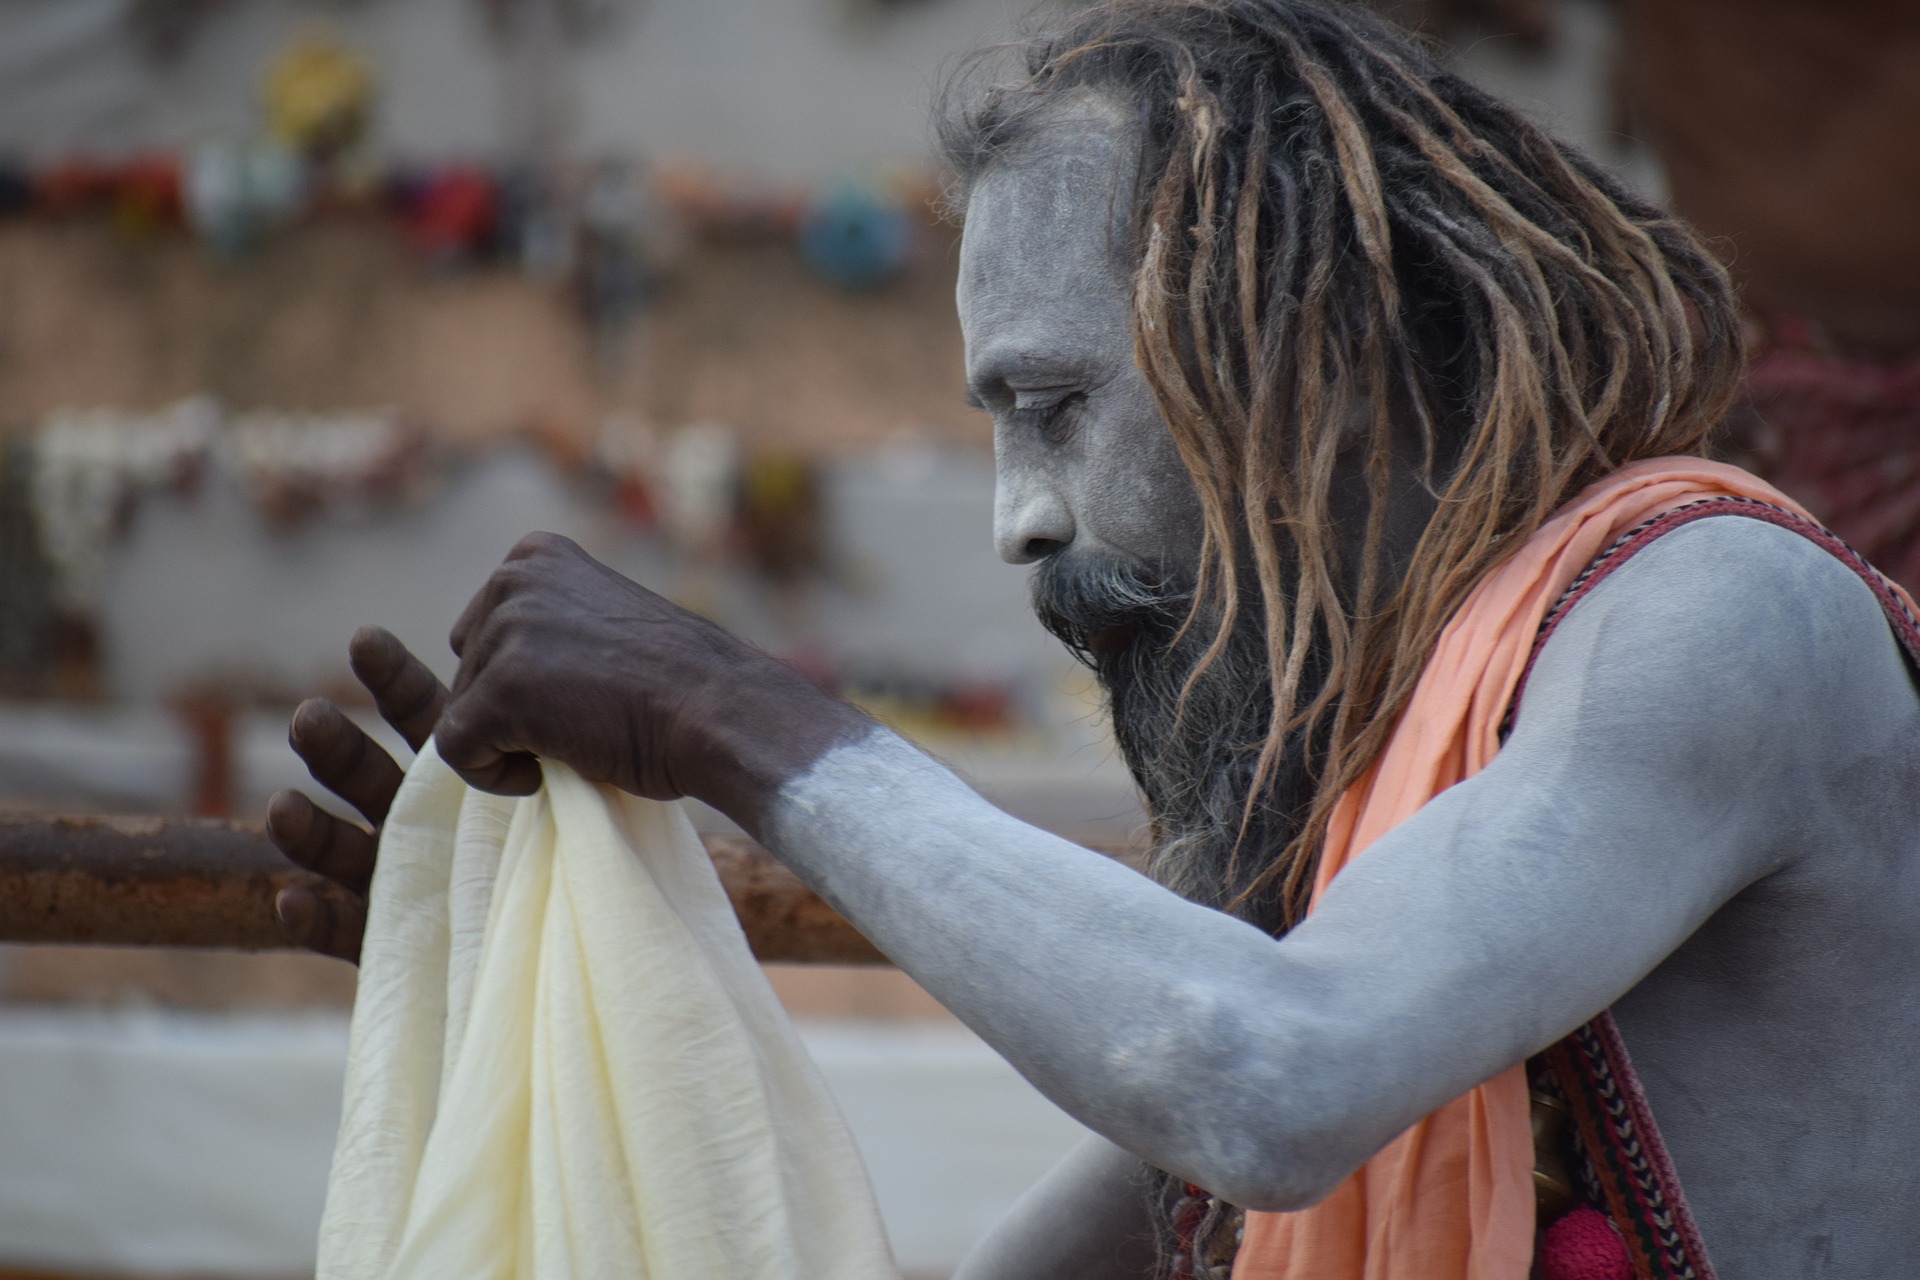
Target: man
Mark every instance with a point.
(1293, 343)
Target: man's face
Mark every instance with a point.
(1086, 469)
(1089, 484)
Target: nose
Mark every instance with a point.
(1031, 520)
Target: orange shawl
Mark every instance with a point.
(1452, 1197)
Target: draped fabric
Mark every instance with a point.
(565, 1063)
(1452, 1198)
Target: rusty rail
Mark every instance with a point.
(164, 882)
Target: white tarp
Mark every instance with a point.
(136, 1142)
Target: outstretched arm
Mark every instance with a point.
(1676, 730)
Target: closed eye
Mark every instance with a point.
(1053, 421)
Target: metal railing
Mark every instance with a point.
(197, 882)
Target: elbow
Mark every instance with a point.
(1277, 1165)
(1286, 1184)
(1286, 1151)
(1281, 1197)
(1256, 1125)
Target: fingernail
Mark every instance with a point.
(293, 912)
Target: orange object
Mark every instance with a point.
(73, 186)
(1452, 1197)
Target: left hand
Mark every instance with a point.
(562, 658)
(355, 768)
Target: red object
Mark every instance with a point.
(144, 190)
(1583, 1246)
(1846, 442)
(982, 708)
(72, 185)
(453, 214)
(635, 503)
(149, 190)
(1189, 1215)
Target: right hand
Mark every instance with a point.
(344, 760)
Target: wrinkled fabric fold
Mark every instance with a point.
(564, 1061)
(1451, 1198)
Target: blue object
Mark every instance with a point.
(856, 239)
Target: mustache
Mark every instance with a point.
(1097, 604)
(1191, 735)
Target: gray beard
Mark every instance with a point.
(1194, 764)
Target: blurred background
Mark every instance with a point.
(310, 308)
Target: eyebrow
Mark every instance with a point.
(1012, 362)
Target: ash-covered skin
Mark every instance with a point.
(1043, 301)
(1707, 817)
(1090, 486)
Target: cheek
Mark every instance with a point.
(1022, 465)
(1136, 494)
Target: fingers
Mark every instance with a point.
(473, 742)
(320, 842)
(514, 773)
(343, 759)
(332, 925)
(468, 749)
(475, 733)
(410, 696)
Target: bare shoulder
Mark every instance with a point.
(1734, 619)
(1737, 560)
(1724, 677)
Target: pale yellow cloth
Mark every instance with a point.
(565, 1063)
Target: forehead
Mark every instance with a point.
(1042, 255)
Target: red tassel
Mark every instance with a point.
(1584, 1245)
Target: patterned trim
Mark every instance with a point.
(1623, 1156)
(1621, 1146)
(1906, 628)
(1206, 1236)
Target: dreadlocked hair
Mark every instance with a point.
(1342, 245)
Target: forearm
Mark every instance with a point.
(1087, 1218)
(1119, 1000)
